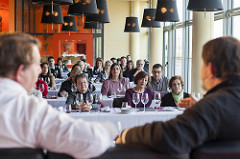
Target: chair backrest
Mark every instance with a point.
(217, 150)
(53, 155)
(21, 153)
(130, 151)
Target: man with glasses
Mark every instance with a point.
(159, 82)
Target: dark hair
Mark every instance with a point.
(98, 59)
(157, 66)
(75, 66)
(123, 57)
(140, 75)
(113, 58)
(49, 72)
(80, 75)
(84, 60)
(16, 49)
(224, 55)
(173, 79)
(59, 59)
(130, 61)
(112, 66)
(50, 57)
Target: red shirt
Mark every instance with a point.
(45, 91)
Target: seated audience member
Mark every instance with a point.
(47, 76)
(115, 84)
(54, 70)
(42, 86)
(119, 61)
(215, 117)
(82, 85)
(69, 84)
(62, 66)
(123, 63)
(159, 82)
(176, 84)
(73, 68)
(130, 66)
(86, 69)
(28, 121)
(135, 71)
(142, 81)
(114, 60)
(107, 67)
(98, 71)
(128, 58)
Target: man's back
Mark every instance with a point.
(215, 117)
(28, 121)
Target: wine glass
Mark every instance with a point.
(135, 100)
(79, 100)
(89, 99)
(73, 88)
(157, 98)
(119, 89)
(98, 100)
(41, 87)
(144, 100)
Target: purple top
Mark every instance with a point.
(129, 93)
(110, 87)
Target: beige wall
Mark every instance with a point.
(116, 41)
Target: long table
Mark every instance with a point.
(123, 121)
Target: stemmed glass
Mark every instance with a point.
(119, 89)
(79, 100)
(41, 87)
(89, 99)
(73, 88)
(144, 100)
(98, 100)
(135, 100)
(157, 98)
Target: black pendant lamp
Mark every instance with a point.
(167, 11)
(89, 25)
(102, 16)
(83, 7)
(205, 5)
(131, 24)
(69, 24)
(149, 19)
(61, 2)
(52, 14)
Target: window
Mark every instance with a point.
(218, 28)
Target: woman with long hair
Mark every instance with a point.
(115, 84)
(47, 76)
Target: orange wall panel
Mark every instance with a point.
(86, 38)
(4, 13)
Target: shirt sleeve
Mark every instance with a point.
(105, 88)
(195, 126)
(58, 132)
(128, 98)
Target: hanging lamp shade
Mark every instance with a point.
(83, 7)
(89, 25)
(69, 24)
(102, 16)
(149, 19)
(61, 2)
(52, 17)
(167, 11)
(131, 24)
(205, 5)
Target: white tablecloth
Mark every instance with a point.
(127, 120)
(52, 92)
(59, 80)
(60, 101)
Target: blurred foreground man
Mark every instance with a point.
(28, 121)
(215, 117)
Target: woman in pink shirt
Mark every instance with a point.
(115, 84)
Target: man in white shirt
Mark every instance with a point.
(28, 121)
